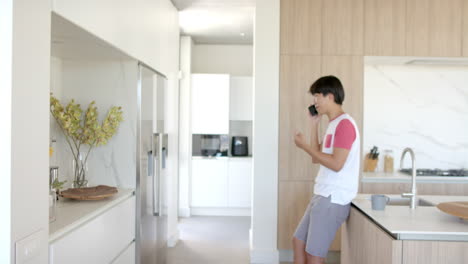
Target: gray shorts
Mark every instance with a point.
(319, 224)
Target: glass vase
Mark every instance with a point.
(80, 172)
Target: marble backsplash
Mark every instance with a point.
(108, 83)
(422, 107)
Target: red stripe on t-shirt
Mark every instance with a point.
(345, 134)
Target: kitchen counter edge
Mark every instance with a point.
(71, 214)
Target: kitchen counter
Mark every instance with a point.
(222, 157)
(423, 223)
(398, 177)
(71, 214)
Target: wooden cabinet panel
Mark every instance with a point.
(384, 188)
(297, 74)
(350, 70)
(434, 252)
(365, 243)
(292, 203)
(343, 27)
(422, 188)
(294, 197)
(385, 27)
(417, 28)
(434, 27)
(301, 27)
(465, 29)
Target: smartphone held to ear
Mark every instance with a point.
(312, 110)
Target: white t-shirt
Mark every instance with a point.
(341, 132)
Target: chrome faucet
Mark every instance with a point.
(411, 195)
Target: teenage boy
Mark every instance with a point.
(337, 181)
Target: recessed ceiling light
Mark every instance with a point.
(242, 34)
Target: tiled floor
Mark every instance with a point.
(216, 240)
(212, 240)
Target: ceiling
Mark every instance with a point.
(217, 21)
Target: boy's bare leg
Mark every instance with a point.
(314, 259)
(300, 256)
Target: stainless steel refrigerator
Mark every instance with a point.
(151, 183)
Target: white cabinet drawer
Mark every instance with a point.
(209, 183)
(240, 182)
(127, 257)
(100, 240)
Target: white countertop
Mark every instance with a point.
(71, 214)
(221, 158)
(399, 177)
(423, 223)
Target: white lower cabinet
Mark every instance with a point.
(240, 182)
(127, 257)
(209, 183)
(102, 240)
(221, 183)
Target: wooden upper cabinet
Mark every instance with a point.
(297, 74)
(350, 70)
(385, 27)
(301, 27)
(294, 196)
(465, 29)
(343, 27)
(434, 27)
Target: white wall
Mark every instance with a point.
(230, 59)
(29, 88)
(422, 107)
(266, 117)
(185, 138)
(6, 28)
(147, 30)
(172, 129)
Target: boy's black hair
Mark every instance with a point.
(329, 84)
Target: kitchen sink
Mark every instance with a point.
(400, 201)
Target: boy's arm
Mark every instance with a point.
(344, 137)
(333, 161)
(315, 142)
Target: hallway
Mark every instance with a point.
(212, 240)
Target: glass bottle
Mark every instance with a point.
(388, 160)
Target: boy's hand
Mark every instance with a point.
(299, 140)
(315, 119)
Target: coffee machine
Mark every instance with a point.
(239, 146)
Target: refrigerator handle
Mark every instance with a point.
(157, 174)
(163, 157)
(150, 163)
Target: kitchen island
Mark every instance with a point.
(401, 235)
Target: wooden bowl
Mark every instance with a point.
(89, 193)
(458, 209)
